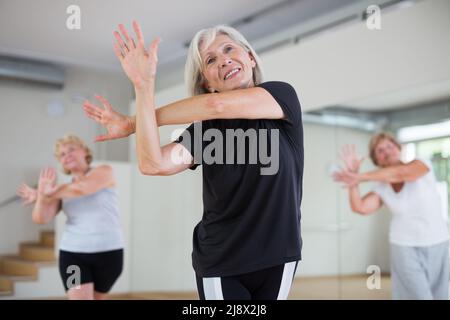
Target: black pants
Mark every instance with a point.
(100, 268)
(268, 284)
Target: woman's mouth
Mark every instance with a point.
(232, 73)
(69, 161)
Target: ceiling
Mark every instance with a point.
(37, 29)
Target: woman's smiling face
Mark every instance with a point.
(226, 65)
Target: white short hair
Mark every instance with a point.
(193, 69)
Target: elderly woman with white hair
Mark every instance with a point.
(91, 247)
(248, 243)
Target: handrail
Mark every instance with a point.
(9, 200)
(12, 199)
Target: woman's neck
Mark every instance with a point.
(80, 172)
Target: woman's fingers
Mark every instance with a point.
(89, 105)
(92, 115)
(52, 174)
(119, 54)
(91, 110)
(104, 102)
(128, 40)
(123, 46)
(139, 35)
(103, 137)
(46, 173)
(42, 174)
(24, 190)
(20, 192)
(153, 49)
(94, 112)
(344, 149)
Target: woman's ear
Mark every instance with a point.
(252, 59)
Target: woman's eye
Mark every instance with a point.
(210, 60)
(228, 49)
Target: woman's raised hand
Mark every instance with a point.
(117, 124)
(138, 62)
(47, 182)
(350, 157)
(27, 193)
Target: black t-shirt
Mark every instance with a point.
(251, 211)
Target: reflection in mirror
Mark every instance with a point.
(356, 252)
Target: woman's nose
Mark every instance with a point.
(225, 61)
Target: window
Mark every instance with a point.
(438, 151)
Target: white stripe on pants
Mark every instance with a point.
(212, 286)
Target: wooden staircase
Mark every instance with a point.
(25, 265)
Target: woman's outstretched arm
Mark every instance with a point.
(250, 103)
(97, 179)
(139, 64)
(393, 174)
(399, 173)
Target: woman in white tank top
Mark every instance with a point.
(418, 231)
(91, 249)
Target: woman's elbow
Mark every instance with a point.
(37, 219)
(150, 170)
(359, 209)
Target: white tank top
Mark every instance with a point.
(417, 212)
(93, 223)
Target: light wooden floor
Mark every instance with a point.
(317, 288)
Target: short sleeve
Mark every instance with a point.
(287, 98)
(377, 188)
(191, 139)
(427, 163)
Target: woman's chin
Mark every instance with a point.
(70, 167)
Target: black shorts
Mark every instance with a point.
(268, 284)
(100, 268)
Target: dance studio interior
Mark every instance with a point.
(358, 68)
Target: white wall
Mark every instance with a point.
(351, 62)
(28, 133)
(165, 211)
(336, 240)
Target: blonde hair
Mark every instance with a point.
(72, 139)
(376, 139)
(193, 75)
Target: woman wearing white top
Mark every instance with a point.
(91, 248)
(418, 231)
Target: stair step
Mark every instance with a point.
(6, 284)
(33, 251)
(14, 266)
(5, 293)
(48, 238)
(7, 281)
